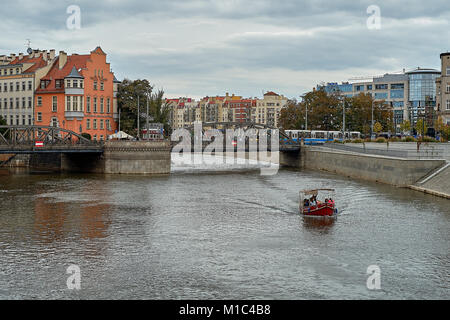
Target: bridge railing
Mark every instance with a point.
(30, 135)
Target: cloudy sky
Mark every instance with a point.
(208, 47)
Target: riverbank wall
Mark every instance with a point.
(394, 171)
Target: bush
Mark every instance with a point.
(428, 139)
(380, 140)
(338, 141)
(348, 141)
(358, 141)
(394, 139)
(409, 139)
(367, 140)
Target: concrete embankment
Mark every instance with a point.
(394, 171)
(437, 183)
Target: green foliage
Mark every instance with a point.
(358, 141)
(86, 135)
(380, 140)
(428, 139)
(3, 123)
(409, 139)
(132, 91)
(394, 139)
(421, 127)
(377, 127)
(405, 126)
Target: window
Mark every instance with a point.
(5, 87)
(54, 104)
(11, 86)
(108, 125)
(54, 122)
(448, 104)
(68, 106)
(95, 105)
(39, 101)
(101, 138)
(88, 104)
(11, 103)
(30, 85)
(58, 84)
(108, 105)
(24, 103)
(369, 87)
(17, 86)
(17, 103)
(448, 88)
(101, 105)
(95, 85)
(101, 125)
(102, 86)
(39, 116)
(381, 95)
(74, 83)
(448, 71)
(359, 88)
(381, 86)
(24, 87)
(75, 103)
(29, 103)
(397, 86)
(95, 124)
(397, 94)
(88, 124)
(17, 120)
(30, 120)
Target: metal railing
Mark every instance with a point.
(422, 153)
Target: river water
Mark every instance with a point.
(217, 235)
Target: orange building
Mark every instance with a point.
(78, 94)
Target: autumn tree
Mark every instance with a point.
(292, 116)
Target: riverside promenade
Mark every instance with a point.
(436, 182)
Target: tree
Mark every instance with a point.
(323, 110)
(421, 127)
(3, 123)
(132, 91)
(377, 127)
(405, 126)
(292, 116)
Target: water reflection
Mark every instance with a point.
(322, 224)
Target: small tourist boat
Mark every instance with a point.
(323, 206)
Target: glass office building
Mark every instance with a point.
(422, 91)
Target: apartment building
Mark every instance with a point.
(19, 77)
(78, 93)
(267, 110)
(443, 89)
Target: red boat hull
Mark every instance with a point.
(321, 210)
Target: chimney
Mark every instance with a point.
(52, 54)
(44, 55)
(62, 59)
(20, 56)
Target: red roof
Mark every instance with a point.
(37, 62)
(271, 93)
(79, 61)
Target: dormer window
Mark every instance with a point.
(74, 83)
(58, 83)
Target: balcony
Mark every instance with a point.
(74, 91)
(70, 115)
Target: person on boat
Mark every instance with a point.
(306, 203)
(312, 201)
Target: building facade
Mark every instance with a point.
(409, 94)
(443, 89)
(78, 94)
(19, 77)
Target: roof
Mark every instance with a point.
(421, 70)
(38, 62)
(271, 93)
(74, 74)
(74, 61)
(445, 54)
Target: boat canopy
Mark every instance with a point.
(315, 192)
